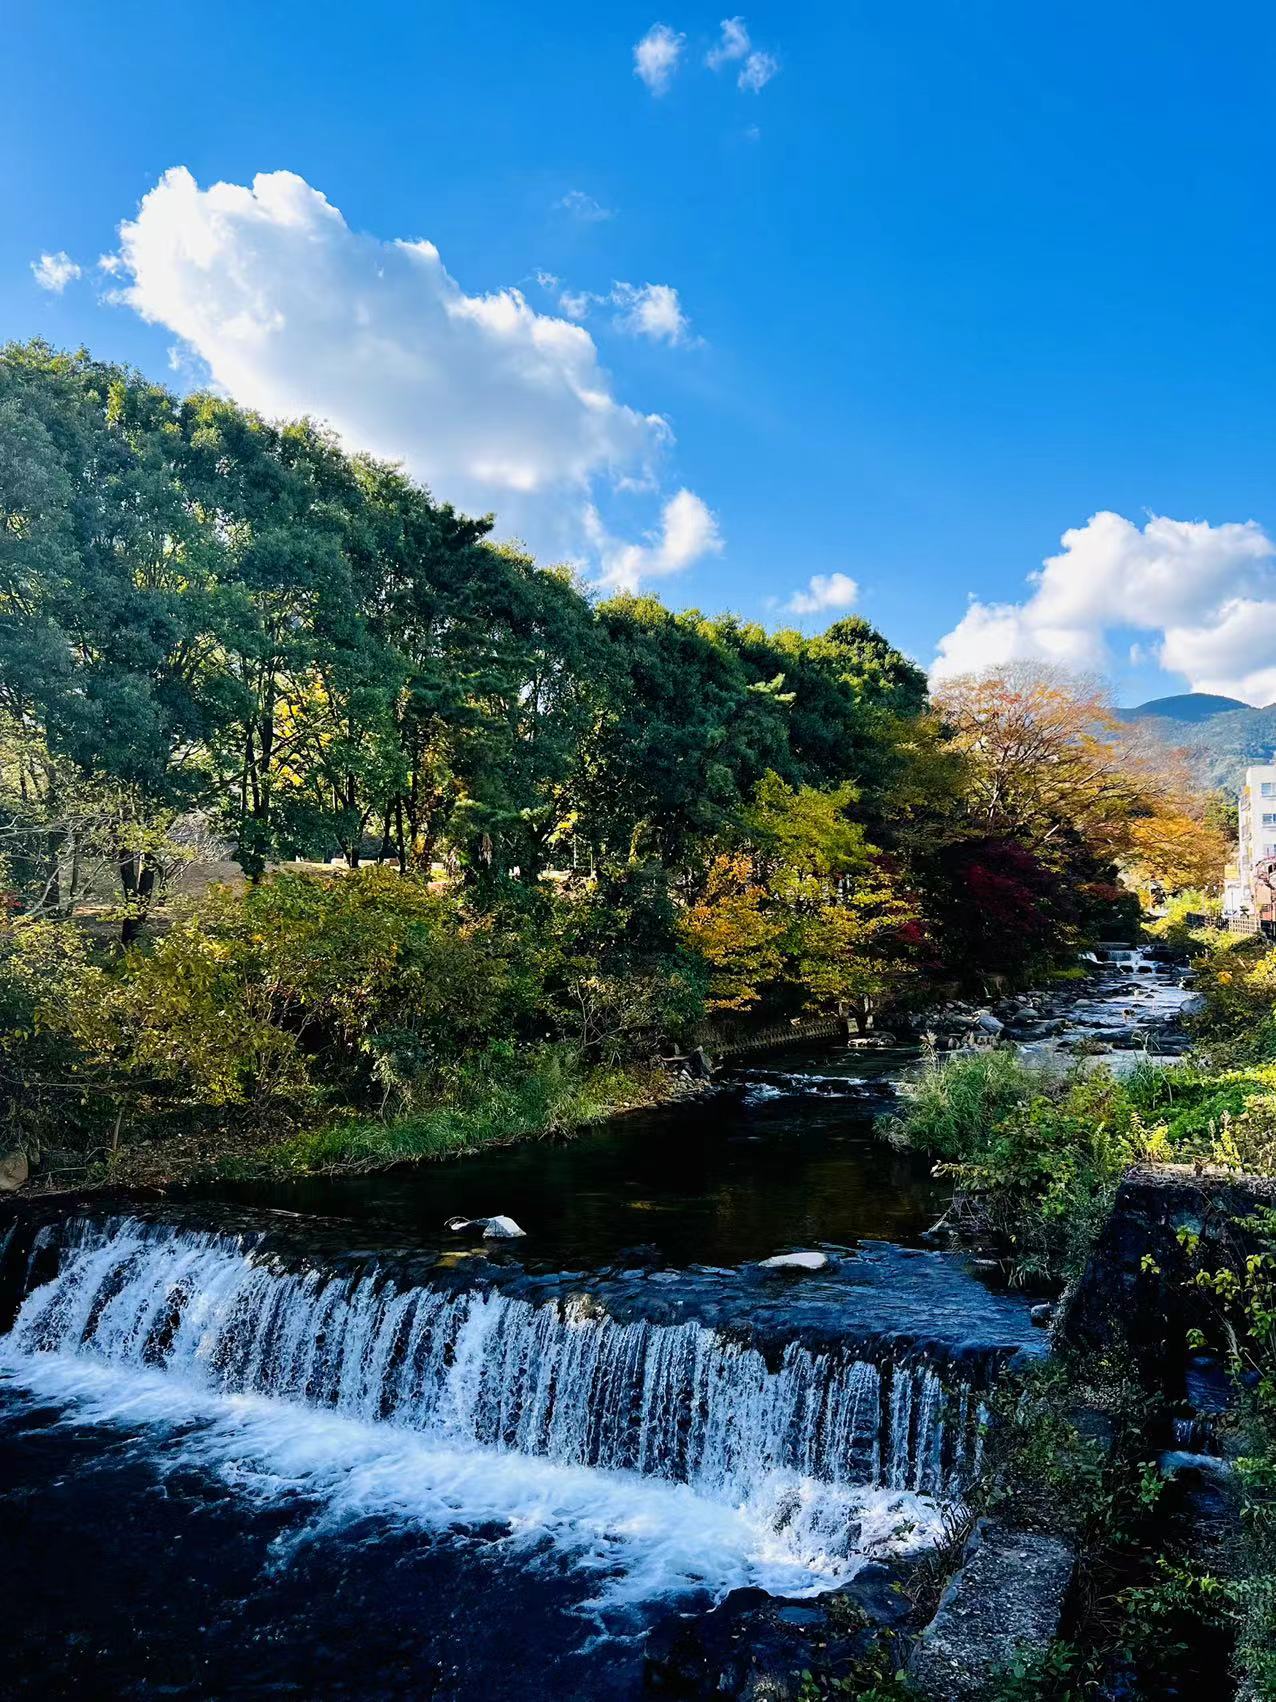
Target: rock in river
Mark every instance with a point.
(795, 1262)
(492, 1228)
(14, 1171)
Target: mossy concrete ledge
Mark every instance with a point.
(1005, 1600)
(1136, 1300)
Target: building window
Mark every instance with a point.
(1267, 789)
(1269, 819)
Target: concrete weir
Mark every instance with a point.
(1006, 1598)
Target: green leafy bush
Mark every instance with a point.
(1036, 1153)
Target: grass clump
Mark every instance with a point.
(501, 1097)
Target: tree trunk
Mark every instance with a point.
(137, 879)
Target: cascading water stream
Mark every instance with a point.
(562, 1381)
(789, 1471)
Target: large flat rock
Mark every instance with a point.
(1006, 1599)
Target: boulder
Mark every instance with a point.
(700, 1065)
(794, 1262)
(14, 1171)
(491, 1228)
(987, 1023)
(1005, 1601)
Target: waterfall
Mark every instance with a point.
(558, 1380)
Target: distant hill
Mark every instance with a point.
(1221, 742)
(1188, 706)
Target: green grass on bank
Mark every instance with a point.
(1037, 1152)
(494, 1103)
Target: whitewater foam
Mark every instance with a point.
(637, 1538)
(657, 1458)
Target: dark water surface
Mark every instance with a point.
(129, 1571)
(713, 1181)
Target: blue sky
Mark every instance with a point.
(954, 280)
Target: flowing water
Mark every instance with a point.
(301, 1441)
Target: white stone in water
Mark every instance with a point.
(500, 1228)
(795, 1262)
(492, 1228)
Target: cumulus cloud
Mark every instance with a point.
(1207, 594)
(53, 272)
(688, 531)
(1234, 654)
(294, 313)
(656, 57)
(584, 207)
(824, 591)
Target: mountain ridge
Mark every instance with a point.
(1220, 744)
(1187, 706)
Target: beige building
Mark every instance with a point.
(1256, 811)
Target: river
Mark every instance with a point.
(302, 1440)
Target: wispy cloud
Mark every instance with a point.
(656, 57)
(584, 207)
(653, 311)
(53, 272)
(757, 71)
(734, 46)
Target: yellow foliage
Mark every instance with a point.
(735, 932)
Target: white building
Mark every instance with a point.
(1256, 809)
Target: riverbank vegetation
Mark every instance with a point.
(1037, 1155)
(1038, 1149)
(319, 807)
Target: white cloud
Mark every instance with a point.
(1208, 593)
(656, 57)
(733, 43)
(577, 303)
(546, 280)
(54, 272)
(757, 71)
(294, 312)
(688, 531)
(651, 310)
(644, 310)
(824, 591)
(1234, 654)
(584, 207)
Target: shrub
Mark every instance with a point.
(1237, 984)
(1036, 1153)
(364, 986)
